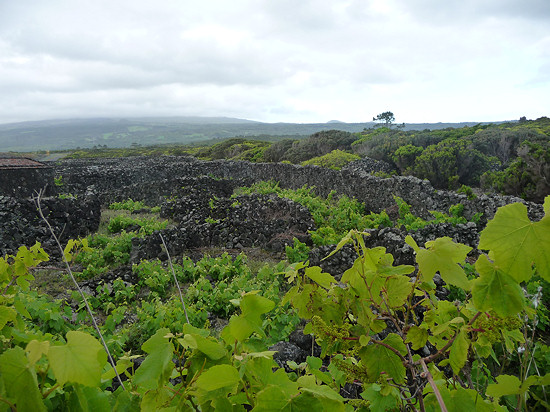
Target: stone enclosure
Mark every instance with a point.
(196, 195)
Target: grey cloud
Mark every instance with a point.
(438, 12)
(260, 59)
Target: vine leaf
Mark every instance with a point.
(253, 305)
(157, 366)
(511, 385)
(7, 314)
(506, 385)
(36, 349)
(378, 402)
(272, 398)
(379, 359)
(210, 348)
(19, 380)
(496, 290)
(316, 274)
(417, 337)
(217, 382)
(86, 398)
(80, 360)
(516, 243)
(331, 400)
(442, 255)
(398, 288)
(242, 326)
(459, 351)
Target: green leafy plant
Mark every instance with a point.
(129, 204)
(334, 160)
(58, 181)
(379, 299)
(468, 191)
(381, 327)
(298, 252)
(146, 225)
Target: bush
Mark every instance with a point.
(334, 160)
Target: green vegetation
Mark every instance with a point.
(509, 158)
(381, 328)
(299, 252)
(145, 226)
(336, 216)
(234, 149)
(333, 160)
(129, 205)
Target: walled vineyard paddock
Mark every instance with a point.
(183, 186)
(152, 179)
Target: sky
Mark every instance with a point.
(299, 61)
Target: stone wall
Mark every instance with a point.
(21, 225)
(151, 179)
(23, 182)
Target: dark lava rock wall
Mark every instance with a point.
(23, 182)
(262, 221)
(21, 225)
(153, 178)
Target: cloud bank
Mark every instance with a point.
(272, 61)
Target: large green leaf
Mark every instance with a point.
(272, 398)
(354, 276)
(88, 399)
(331, 400)
(316, 274)
(36, 349)
(269, 400)
(81, 360)
(156, 400)
(379, 359)
(7, 314)
(253, 305)
(506, 385)
(496, 290)
(210, 348)
(259, 371)
(157, 366)
(442, 255)
(516, 243)
(398, 289)
(240, 328)
(459, 351)
(20, 380)
(379, 402)
(218, 381)
(417, 337)
(127, 402)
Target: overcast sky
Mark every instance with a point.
(275, 60)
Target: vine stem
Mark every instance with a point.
(440, 352)
(175, 278)
(434, 386)
(11, 405)
(82, 295)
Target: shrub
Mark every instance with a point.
(334, 160)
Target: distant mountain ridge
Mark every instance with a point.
(59, 134)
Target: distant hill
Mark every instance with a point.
(125, 132)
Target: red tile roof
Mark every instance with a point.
(20, 163)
